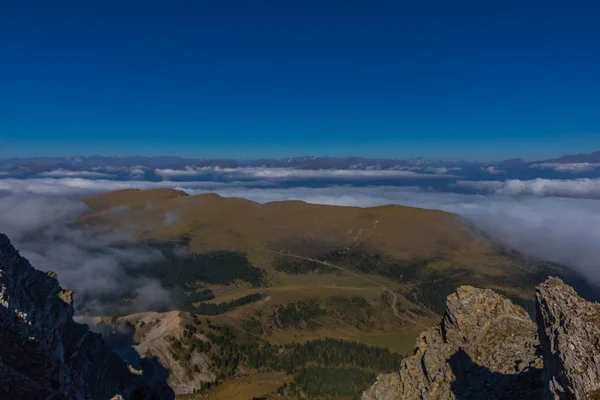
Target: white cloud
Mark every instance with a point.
(90, 262)
(170, 218)
(440, 170)
(168, 173)
(137, 171)
(21, 215)
(291, 173)
(573, 168)
(68, 173)
(336, 173)
(583, 188)
(345, 195)
(492, 170)
(580, 188)
(81, 187)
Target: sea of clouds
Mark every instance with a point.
(553, 219)
(548, 179)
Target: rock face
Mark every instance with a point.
(484, 348)
(44, 354)
(569, 331)
(487, 348)
(156, 333)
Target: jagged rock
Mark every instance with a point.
(154, 335)
(569, 332)
(484, 348)
(44, 354)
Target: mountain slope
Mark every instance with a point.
(393, 241)
(44, 353)
(280, 275)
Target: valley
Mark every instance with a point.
(253, 286)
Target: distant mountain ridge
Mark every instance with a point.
(578, 158)
(167, 161)
(303, 162)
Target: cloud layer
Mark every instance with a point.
(576, 188)
(581, 188)
(294, 174)
(65, 173)
(554, 219)
(82, 187)
(493, 170)
(92, 263)
(568, 167)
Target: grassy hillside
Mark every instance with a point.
(397, 242)
(213, 222)
(288, 273)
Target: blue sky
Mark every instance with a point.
(473, 80)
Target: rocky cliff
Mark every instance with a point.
(488, 348)
(44, 354)
(165, 338)
(569, 332)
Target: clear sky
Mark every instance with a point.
(446, 79)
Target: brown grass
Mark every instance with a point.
(214, 222)
(244, 388)
(130, 197)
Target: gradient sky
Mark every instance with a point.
(441, 79)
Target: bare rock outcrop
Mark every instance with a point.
(569, 332)
(487, 348)
(44, 354)
(164, 336)
(484, 348)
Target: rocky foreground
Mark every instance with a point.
(44, 354)
(488, 348)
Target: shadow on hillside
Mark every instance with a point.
(477, 382)
(120, 340)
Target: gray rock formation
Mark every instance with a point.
(569, 332)
(484, 348)
(487, 348)
(44, 354)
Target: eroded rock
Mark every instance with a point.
(485, 347)
(569, 331)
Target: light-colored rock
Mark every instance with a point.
(569, 331)
(155, 340)
(484, 348)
